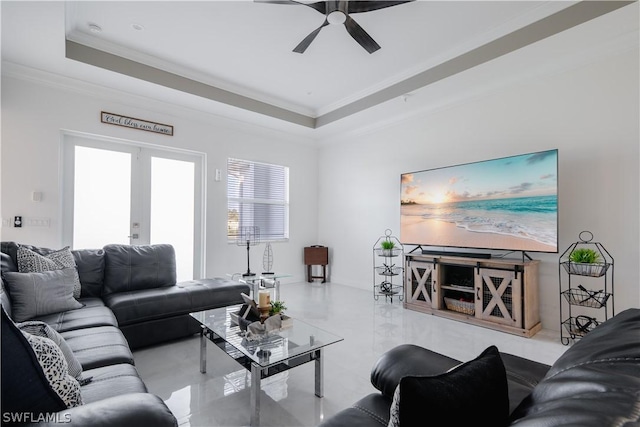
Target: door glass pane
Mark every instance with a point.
(172, 210)
(102, 197)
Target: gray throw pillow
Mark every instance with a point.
(32, 262)
(37, 294)
(41, 329)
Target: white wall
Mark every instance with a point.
(345, 194)
(34, 115)
(590, 114)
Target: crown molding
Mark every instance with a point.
(259, 125)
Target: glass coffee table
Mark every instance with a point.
(268, 355)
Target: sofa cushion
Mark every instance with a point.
(523, 375)
(596, 382)
(130, 268)
(98, 346)
(148, 304)
(86, 317)
(90, 265)
(23, 375)
(32, 262)
(473, 393)
(371, 410)
(170, 301)
(112, 380)
(38, 294)
(206, 294)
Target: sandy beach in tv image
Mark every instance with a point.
(507, 204)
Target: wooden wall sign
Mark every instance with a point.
(130, 122)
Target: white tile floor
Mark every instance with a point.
(220, 397)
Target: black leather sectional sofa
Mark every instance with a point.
(129, 298)
(595, 383)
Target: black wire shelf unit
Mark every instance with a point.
(388, 261)
(582, 307)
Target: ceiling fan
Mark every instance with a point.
(338, 12)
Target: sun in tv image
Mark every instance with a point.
(509, 203)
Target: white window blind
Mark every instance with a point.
(257, 196)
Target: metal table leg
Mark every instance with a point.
(319, 373)
(255, 395)
(203, 349)
(276, 285)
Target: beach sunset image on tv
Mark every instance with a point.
(509, 203)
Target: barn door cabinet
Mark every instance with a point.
(499, 294)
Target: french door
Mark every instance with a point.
(115, 192)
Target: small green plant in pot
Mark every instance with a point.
(387, 247)
(277, 307)
(584, 256)
(585, 261)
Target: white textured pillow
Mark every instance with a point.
(394, 412)
(41, 329)
(55, 369)
(32, 262)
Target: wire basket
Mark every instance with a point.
(593, 270)
(385, 270)
(460, 306)
(394, 252)
(586, 298)
(579, 326)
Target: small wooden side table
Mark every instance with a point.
(316, 255)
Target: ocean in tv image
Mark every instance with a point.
(509, 203)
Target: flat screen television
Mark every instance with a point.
(510, 203)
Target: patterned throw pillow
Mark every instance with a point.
(41, 329)
(55, 369)
(32, 262)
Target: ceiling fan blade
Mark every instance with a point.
(360, 35)
(276, 1)
(320, 6)
(304, 44)
(366, 6)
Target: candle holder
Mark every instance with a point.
(264, 313)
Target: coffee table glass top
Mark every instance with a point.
(258, 277)
(272, 348)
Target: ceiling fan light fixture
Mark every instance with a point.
(336, 17)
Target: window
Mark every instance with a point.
(258, 196)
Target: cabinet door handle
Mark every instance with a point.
(478, 293)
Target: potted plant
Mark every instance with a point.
(387, 247)
(585, 262)
(277, 309)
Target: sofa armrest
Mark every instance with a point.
(128, 410)
(407, 359)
